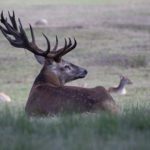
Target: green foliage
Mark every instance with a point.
(76, 131)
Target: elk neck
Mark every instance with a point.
(46, 76)
(121, 85)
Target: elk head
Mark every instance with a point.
(124, 80)
(50, 59)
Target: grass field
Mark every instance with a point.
(45, 2)
(113, 38)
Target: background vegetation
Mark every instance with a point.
(113, 38)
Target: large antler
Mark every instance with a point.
(20, 39)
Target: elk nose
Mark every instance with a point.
(85, 72)
(82, 73)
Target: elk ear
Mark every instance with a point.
(40, 59)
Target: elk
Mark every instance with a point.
(120, 89)
(49, 95)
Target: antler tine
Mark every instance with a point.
(3, 20)
(66, 46)
(73, 46)
(61, 49)
(55, 54)
(36, 51)
(22, 32)
(69, 48)
(6, 31)
(7, 37)
(32, 34)
(2, 17)
(65, 43)
(70, 42)
(34, 47)
(9, 29)
(56, 45)
(13, 20)
(48, 45)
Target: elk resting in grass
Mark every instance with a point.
(48, 94)
(120, 89)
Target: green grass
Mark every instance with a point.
(131, 130)
(106, 50)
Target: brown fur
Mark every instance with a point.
(121, 87)
(47, 97)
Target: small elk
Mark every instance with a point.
(120, 89)
(49, 95)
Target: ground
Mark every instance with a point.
(113, 38)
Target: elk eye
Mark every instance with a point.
(67, 67)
